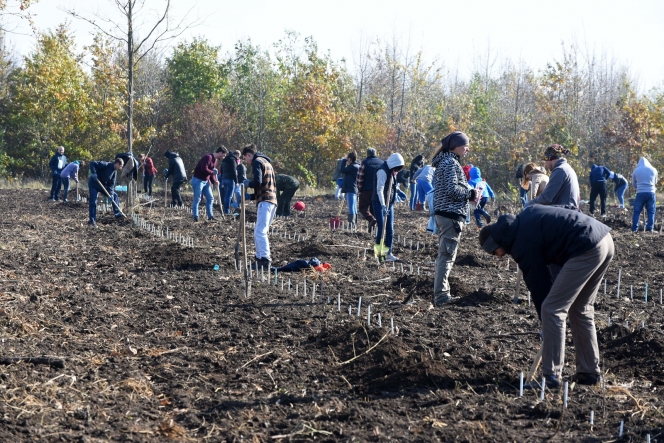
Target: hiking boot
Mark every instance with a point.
(261, 263)
(195, 219)
(487, 217)
(585, 378)
(390, 257)
(372, 223)
(551, 382)
(442, 300)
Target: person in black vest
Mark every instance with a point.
(365, 185)
(541, 236)
(349, 186)
(177, 173)
(382, 200)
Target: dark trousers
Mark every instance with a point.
(364, 206)
(176, 198)
(284, 197)
(148, 180)
(480, 212)
(92, 204)
(596, 189)
(56, 184)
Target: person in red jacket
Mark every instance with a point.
(149, 172)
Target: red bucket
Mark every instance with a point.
(335, 222)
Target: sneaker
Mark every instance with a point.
(440, 301)
(603, 215)
(65, 201)
(51, 199)
(390, 257)
(487, 217)
(551, 382)
(92, 224)
(585, 378)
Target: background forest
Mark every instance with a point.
(305, 109)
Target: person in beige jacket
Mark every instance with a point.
(538, 179)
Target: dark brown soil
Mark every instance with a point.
(157, 345)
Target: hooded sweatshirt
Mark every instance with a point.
(380, 190)
(176, 169)
(644, 177)
(538, 181)
(543, 235)
(598, 174)
(562, 189)
(425, 174)
(475, 178)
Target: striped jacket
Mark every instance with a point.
(451, 190)
(264, 181)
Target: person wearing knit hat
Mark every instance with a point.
(382, 201)
(365, 185)
(563, 186)
(582, 247)
(70, 172)
(451, 196)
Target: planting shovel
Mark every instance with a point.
(535, 365)
(221, 205)
(380, 250)
(110, 198)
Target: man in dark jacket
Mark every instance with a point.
(57, 164)
(229, 180)
(205, 176)
(106, 174)
(523, 192)
(415, 165)
(365, 182)
(287, 186)
(545, 235)
(177, 173)
(598, 176)
(264, 184)
(349, 186)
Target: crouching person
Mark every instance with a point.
(106, 174)
(582, 246)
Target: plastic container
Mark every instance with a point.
(479, 190)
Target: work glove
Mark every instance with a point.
(94, 177)
(215, 171)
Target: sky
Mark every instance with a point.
(458, 34)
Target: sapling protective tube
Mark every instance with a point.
(631, 292)
(543, 388)
(297, 290)
(401, 267)
(380, 323)
(660, 296)
(282, 284)
(289, 285)
(392, 325)
(350, 307)
(304, 287)
(275, 280)
(646, 295)
(622, 426)
(643, 324)
(418, 247)
(521, 385)
(411, 245)
(411, 269)
(418, 270)
(313, 292)
(592, 417)
(608, 322)
(393, 266)
(359, 306)
(619, 275)
(565, 394)
(604, 286)
(339, 302)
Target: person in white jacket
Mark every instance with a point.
(644, 179)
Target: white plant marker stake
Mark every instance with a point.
(359, 306)
(411, 245)
(339, 302)
(304, 286)
(262, 273)
(418, 270)
(608, 323)
(648, 435)
(411, 269)
(418, 247)
(380, 324)
(646, 296)
(401, 267)
(643, 324)
(660, 296)
(392, 325)
(289, 285)
(393, 265)
(619, 275)
(313, 293)
(521, 385)
(528, 298)
(566, 394)
(592, 417)
(365, 254)
(282, 284)
(631, 292)
(626, 324)
(622, 425)
(369, 315)
(350, 307)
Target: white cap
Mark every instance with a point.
(395, 160)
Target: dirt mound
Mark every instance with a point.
(471, 260)
(389, 367)
(635, 354)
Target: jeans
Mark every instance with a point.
(65, 183)
(227, 189)
(284, 197)
(573, 295)
(449, 236)
(620, 193)
(413, 195)
(337, 192)
(265, 213)
(479, 211)
(351, 199)
(380, 219)
(238, 196)
(365, 205)
(55, 185)
(642, 199)
(596, 189)
(148, 180)
(176, 198)
(202, 187)
(92, 206)
(423, 188)
(523, 195)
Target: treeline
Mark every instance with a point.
(305, 109)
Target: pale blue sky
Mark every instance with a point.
(455, 32)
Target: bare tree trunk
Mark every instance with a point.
(130, 77)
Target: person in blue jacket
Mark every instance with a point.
(620, 186)
(57, 164)
(105, 173)
(475, 178)
(598, 177)
(583, 249)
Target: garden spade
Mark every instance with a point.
(535, 365)
(239, 228)
(380, 250)
(111, 199)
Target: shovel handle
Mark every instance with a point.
(111, 198)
